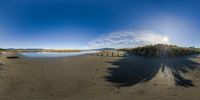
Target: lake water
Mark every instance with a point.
(55, 54)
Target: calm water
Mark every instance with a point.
(55, 54)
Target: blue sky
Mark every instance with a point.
(80, 24)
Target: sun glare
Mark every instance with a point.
(165, 39)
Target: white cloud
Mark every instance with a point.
(127, 40)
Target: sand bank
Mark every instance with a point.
(90, 78)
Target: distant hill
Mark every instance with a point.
(101, 49)
(162, 50)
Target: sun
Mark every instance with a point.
(165, 39)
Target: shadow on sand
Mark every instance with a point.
(132, 70)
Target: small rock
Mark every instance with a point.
(117, 91)
(154, 84)
(51, 95)
(32, 89)
(11, 77)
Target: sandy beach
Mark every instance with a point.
(98, 78)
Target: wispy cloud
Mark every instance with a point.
(126, 40)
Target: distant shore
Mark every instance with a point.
(37, 50)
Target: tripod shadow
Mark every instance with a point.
(135, 69)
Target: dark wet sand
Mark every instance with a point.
(84, 78)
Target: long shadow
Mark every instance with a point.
(132, 70)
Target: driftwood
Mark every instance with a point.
(12, 57)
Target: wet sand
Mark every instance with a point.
(89, 78)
